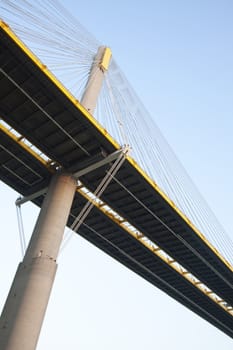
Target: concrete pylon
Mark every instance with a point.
(99, 67)
(26, 304)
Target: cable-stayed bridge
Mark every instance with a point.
(139, 215)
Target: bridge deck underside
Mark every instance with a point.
(34, 106)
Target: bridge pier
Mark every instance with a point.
(26, 304)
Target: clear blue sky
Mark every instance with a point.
(178, 56)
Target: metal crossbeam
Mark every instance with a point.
(110, 158)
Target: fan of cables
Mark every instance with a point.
(55, 36)
(129, 122)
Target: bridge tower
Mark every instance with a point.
(22, 316)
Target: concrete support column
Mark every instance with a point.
(26, 304)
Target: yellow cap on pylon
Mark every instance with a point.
(105, 61)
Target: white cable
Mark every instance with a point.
(21, 230)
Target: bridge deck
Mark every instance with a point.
(36, 105)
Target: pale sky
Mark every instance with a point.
(178, 56)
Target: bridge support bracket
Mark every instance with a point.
(83, 171)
